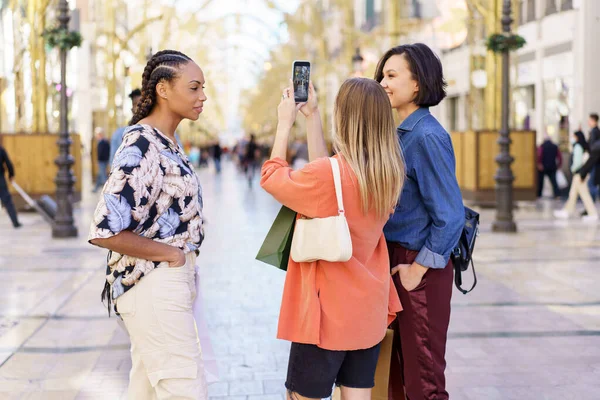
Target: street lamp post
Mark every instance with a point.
(63, 223)
(357, 63)
(504, 176)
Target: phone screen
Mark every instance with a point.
(301, 77)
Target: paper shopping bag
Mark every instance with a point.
(382, 373)
(275, 249)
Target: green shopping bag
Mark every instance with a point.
(275, 250)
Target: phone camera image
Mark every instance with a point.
(301, 78)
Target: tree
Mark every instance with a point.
(31, 14)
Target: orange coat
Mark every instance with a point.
(341, 305)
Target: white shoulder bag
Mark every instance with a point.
(325, 239)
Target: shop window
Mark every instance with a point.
(531, 10)
(566, 5)
(522, 11)
(551, 7)
(370, 15)
(523, 107)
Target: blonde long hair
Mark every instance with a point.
(365, 136)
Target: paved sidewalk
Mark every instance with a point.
(531, 329)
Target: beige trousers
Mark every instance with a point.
(579, 188)
(165, 350)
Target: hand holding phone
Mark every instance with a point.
(301, 78)
(287, 109)
(312, 105)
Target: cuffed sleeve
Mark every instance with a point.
(297, 190)
(429, 259)
(441, 195)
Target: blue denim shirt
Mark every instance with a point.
(429, 217)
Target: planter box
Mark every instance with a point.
(476, 166)
(33, 157)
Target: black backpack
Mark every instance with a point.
(462, 254)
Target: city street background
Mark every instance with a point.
(530, 330)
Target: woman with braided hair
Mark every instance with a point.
(150, 218)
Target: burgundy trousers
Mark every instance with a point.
(420, 331)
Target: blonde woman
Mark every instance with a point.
(336, 314)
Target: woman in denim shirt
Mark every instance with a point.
(425, 226)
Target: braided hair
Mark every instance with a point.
(163, 66)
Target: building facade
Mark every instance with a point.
(554, 79)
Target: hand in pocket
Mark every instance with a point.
(410, 275)
(177, 259)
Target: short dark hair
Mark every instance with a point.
(594, 116)
(135, 93)
(426, 69)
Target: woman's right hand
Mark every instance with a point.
(177, 258)
(287, 109)
(312, 105)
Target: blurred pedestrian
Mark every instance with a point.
(250, 157)
(102, 156)
(581, 178)
(117, 137)
(5, 197)
(336, 313)
(300, 154)
(425, 226)
(150, 218)
(593, 142)
(549, 160)
(194, 155)
(217, 153)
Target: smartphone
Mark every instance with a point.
(301, 77)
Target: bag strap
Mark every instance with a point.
(337, 180)
(458, 279)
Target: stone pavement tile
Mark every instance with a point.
(245, 388)
(50, 371)
(482, 392)
(21, 291)
(104, 394)
(586, 317)
(18, 330)
(240, 373)
(273, 386)
(49, 395)
(79, 259)
(267, 397)
(61, 294)
(86, 301)
(218, 389)
(502, 319)
(4, 356)
(271, 375)
(228, 398)
(260, 361)
(10, 387)
(75, 333)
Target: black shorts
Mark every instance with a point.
(313, 371)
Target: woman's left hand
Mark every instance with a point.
(287, 109)
(411, 275)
